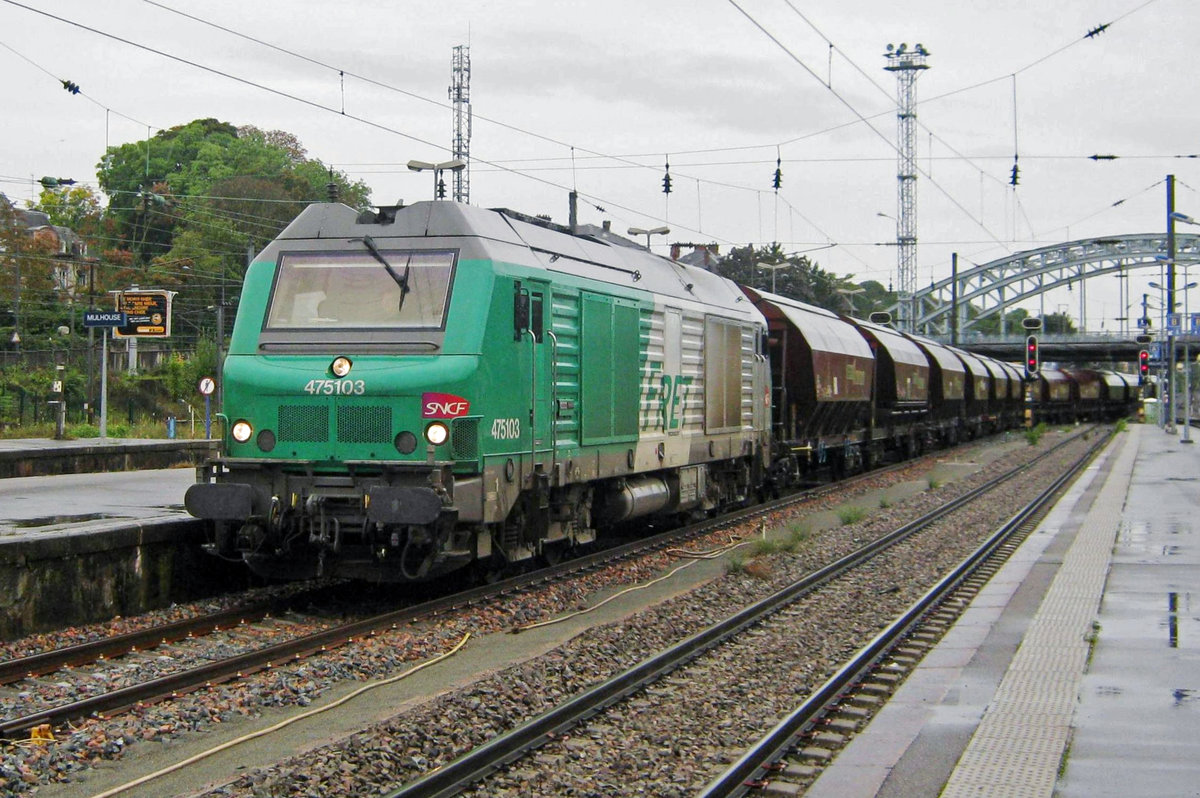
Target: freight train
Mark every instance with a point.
(417, 390)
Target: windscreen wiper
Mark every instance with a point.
(401, 280)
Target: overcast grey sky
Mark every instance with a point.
(720, 87)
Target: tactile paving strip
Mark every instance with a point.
(1019, 744)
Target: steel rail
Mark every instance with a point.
(738, 779)
(453, 777)
(183, 682)
(14, 670)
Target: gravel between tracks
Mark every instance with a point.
(676, 736)
(438, 731)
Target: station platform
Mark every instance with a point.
(1076, 671)
(82, 547)
(29, 457)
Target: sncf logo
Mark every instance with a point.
(443, 405)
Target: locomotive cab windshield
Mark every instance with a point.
(351, 290)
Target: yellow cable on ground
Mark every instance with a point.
(271, 729)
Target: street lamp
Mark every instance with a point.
(849, 294)
(772, 268)
(653, 231)
(439, 186)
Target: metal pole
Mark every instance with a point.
(104, 383)
(1187, 367)
(1171, 298)
(954, 299)
(1187, 393)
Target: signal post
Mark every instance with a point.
(1033, 365)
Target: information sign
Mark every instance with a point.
(104, 318)
(148, 314)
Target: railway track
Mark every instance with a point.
(173, 685)
(458, 775)
(789, 756)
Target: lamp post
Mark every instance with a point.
(653, 231)
(439, 186)
(1174, 216)
(1166, 393)
(772, 268)
(848, 294)
(1187, 367)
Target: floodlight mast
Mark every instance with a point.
(907, 64)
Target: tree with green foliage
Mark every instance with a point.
(191, 204)
(76, 207)
(801, 279)
(211, 179)
(29, 306)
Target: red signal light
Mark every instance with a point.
(1143, 365)
(1032, 358)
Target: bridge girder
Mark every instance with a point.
(997, 285)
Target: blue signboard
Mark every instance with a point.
(104, 318)
(1174, 322)
(1194, 327)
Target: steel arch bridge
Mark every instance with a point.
(994, 287)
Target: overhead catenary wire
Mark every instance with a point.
(682, 166)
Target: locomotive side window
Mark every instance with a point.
(353, 290)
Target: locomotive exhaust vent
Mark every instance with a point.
(303, 423)
(372, 424)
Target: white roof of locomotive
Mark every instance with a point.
(502, 236)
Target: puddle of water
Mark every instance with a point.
(1173, 620)
(50, 520)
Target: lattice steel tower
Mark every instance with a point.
(907, 64)
(460, 96)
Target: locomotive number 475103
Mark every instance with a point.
(335, 387)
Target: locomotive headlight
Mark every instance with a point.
(340, 366)
(437, 433)
(242, 431)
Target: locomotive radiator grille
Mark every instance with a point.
(303, 423)
(371, 424)
(464, 439)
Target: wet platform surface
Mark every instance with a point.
(32, 506)
(1074, 673)
(28, 457)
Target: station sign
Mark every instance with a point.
(148, 314)
(104, 318)
(1174, 323)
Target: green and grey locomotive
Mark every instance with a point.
(415, 390)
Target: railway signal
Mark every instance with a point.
(1143, 366)
(1032, 360)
